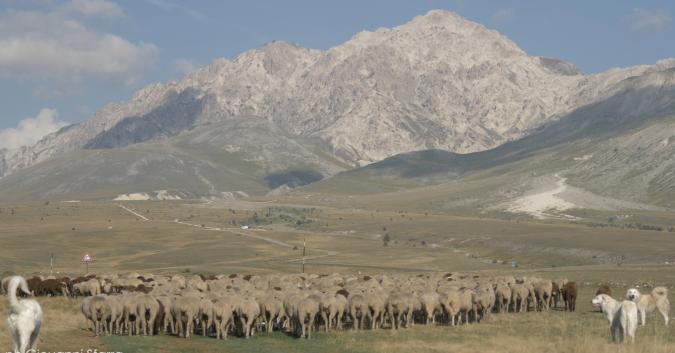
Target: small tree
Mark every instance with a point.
(386, 239)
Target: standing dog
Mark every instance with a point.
(646, 303)
(25, 316)
(622, 316)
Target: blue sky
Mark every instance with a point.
(61, 60)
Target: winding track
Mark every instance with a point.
(249, 233)
(133, 212)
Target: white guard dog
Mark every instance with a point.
(25, 317)
(647, 303)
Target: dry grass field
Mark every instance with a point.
(183, 237)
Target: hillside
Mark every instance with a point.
(618, 153)
(211, 160)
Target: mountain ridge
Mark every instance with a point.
(438, 81)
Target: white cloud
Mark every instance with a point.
(55, 46)
(503, 15)
(184, 66)
(93, 8)
(642, 20)
(30, 130)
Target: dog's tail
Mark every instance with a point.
(15, 283)
(660, 291)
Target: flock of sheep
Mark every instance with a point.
(298, 304)
(301, 303)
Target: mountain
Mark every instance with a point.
(617, 153)
(437, 82)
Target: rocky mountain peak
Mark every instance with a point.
(438, 81)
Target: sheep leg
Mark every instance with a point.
(172, 322)
(139, 322)
(327, 318)
(118, 325)
(179, 325)
(128, 324)
(224, 327)
(151, 324)
(268, 321)
(244, 326)
(310, 325)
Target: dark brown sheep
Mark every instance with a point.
(604, 289)
(51, 287)
(34, 284)
(343, 292)
(569, 293)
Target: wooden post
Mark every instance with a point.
(304, 246)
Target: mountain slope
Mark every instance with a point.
(211, 160)
(620, 147)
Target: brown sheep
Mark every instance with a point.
(570, 295)
(604, 289)
(51, 287)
